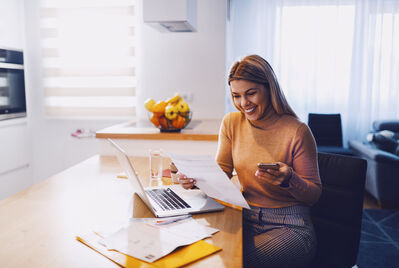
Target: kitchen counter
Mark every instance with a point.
(199, 130)
(136, 138)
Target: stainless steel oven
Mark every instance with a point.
(12, 84)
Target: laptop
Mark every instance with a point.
(167, 200)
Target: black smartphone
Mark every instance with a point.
(265, 166)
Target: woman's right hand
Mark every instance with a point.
(186, 183)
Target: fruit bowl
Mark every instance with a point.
(170, 115)
(170, 125)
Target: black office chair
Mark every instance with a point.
(337, 216)
(327, 131)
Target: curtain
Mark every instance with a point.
(330, 56)
(88, 51)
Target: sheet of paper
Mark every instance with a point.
(210, 178)
(146, 240)
(203, 222)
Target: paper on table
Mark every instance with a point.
(177, 258)
(145, 240)
(210, 178)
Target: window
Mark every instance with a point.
(88, 50)
(384, 53)
(315, 58)
(329, 56)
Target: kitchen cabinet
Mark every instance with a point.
(15, 154)
(15, 144)
(12, 24)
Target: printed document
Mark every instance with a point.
(210, 178)
(149, 239)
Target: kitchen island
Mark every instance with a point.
(199, 137)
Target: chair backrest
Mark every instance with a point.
(337, 216)
(326, 129)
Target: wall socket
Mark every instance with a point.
(187, 96)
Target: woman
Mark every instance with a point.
(277, 230)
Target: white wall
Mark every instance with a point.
(53, 147)
(169, 62)
(187, 62)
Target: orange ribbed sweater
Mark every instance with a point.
(278, 139)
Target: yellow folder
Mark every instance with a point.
(177, 258)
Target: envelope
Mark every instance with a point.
(177, 258)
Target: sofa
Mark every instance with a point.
(381, 150)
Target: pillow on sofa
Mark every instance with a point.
(385, 133)
(384, 141)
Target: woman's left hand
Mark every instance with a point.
(275, 177)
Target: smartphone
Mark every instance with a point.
(264, 166)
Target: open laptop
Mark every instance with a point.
(168, 200)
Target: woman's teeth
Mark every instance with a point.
(250, 110)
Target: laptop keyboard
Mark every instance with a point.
(167, 199)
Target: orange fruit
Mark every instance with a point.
(155, 120)
(163, 122)
(179, 122)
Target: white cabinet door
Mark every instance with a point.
(14, 181)
(14, 147)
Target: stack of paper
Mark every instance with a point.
(151, 239)
(168, 232)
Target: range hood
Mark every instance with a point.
(171, 15)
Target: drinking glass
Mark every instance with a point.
(155, 159)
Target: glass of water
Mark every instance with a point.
(156, 159)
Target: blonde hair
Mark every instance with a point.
(256, 69)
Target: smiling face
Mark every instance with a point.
(250, 98)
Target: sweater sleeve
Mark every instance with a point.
(305, 184)
(224, 151)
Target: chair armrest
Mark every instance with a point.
(368, 151)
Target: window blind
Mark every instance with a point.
(88, 51)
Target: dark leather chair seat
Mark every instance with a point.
(337, 216)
